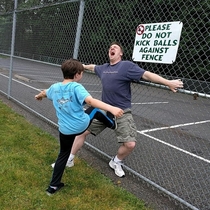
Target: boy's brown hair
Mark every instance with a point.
(71, 67)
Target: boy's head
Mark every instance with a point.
(71, 67)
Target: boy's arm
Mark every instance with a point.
(41, 95)
(101, 105)
(90, 67)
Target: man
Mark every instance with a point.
(116, 77)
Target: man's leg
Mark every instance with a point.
(95, 128)
(94, 113)
(78, 143)
(125, 149)
(126, 135)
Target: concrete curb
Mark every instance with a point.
(21, 78)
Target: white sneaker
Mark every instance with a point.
(117, 168)
(69, 164)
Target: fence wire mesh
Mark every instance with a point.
(173, 147)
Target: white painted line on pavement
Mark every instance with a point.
(170, 145)
(177, 148)
(164, 102)
(21, 83)
(94, 91)
(174, 126)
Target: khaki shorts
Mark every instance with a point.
(126, 128)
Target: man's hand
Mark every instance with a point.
(174, 85)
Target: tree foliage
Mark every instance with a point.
(51, 31)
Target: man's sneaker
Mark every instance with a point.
(117, 168)
(69, 164)
(50, 190)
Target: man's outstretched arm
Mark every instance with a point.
(172, 84)
(90, 67)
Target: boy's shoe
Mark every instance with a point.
(69, 164)
(51, 190)
(117, 168)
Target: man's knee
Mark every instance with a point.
(86, 133)
(130, 145)
(82, 136)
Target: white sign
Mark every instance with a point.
(157, 42)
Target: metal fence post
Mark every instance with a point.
(79, 28)
(12, 48)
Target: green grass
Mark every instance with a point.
(26, 153)
(3, 56)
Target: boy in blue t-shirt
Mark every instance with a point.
(68, 99)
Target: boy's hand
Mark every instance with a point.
(117, 112)
(41, 95)
(37, 97)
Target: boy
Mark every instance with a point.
(68, 98)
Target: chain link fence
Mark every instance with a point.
(173, 147)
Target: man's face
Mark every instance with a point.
(115, 53)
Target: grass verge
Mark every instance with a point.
(25, 172)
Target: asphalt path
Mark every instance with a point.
(173, 144)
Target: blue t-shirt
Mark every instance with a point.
(68, 100)
(116, 80)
